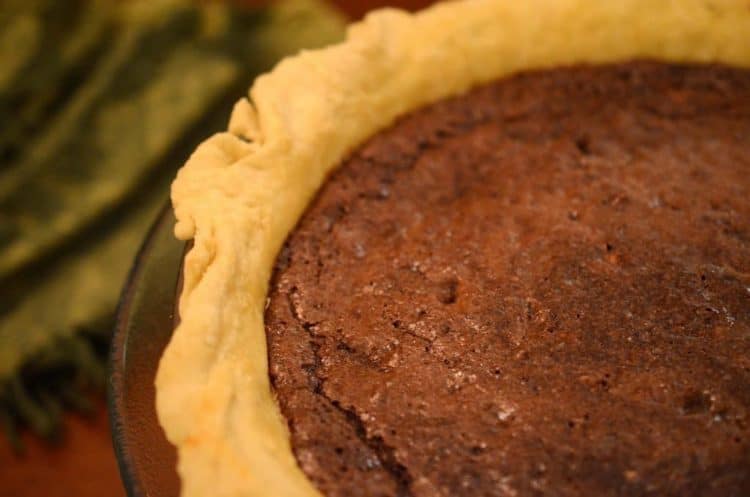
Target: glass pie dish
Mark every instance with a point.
(144, 323)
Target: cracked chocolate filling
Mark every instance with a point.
(541, 287)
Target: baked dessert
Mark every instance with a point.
(529, 285)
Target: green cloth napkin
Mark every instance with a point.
(101, 101)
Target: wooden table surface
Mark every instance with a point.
(83, 465)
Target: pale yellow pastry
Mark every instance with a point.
(242, 191)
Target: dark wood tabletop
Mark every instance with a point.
(83, 464)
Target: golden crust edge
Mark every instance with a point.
(242, 191)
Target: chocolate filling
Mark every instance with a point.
(538, 288)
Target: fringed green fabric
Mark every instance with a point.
(101, 101)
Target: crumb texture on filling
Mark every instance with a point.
(242, 191)
(540, 288)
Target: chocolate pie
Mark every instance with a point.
(491, 249)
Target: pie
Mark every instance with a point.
(492, 248)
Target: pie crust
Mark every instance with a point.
(242, 191)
